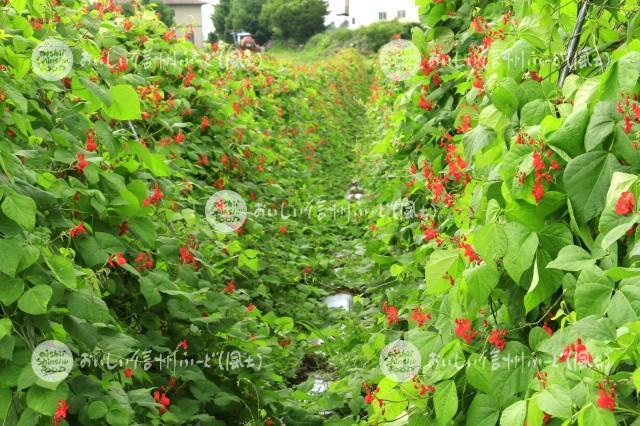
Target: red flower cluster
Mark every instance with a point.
(128, 373)
(187, 257)
(547, 329)
(468, 250)
(456, 165)
(419, 316)
(464, 329)
(465, 126)
(230, 287)
(204, 123)
(91, 145)
(78, 230)
(61, 412)
(157, 196)
(497, 338)
(437, 60)
(183, 344)
(431, 232)
(144, 261)
(369, 391)
(163, 400)
(625, 203)
(607, 398)
(424, 104)
(392, 314)
(81, 164)
(579, 350)
(120, 260)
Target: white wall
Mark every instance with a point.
(207, 17)
(366, 12)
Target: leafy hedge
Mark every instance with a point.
(105, 245)
(517, 278)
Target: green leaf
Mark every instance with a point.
(572, 258)
(18, 5)
(35, 300)
(439, 264)
(593, 292)
(620, 77)
(10, 290)
(83, 304)
(483, 411)
(45, 401)
(445, 401)
(595, 416)
(587, 179)
(12, 253)
(620, 182)
(570, 136)
(504, 96)
(475, 140)
(533, 112)
(601, 125)
(125, 103)
(97, 91)
(478, 373)
(21, 209)
(5, 327)
(515, 414)
(544, 282)
(481, 280)
(144, 229)
(97, 410)
(62, 269)
(521, 250)
(556, 401)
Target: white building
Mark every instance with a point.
(193, 15)
(357, 13)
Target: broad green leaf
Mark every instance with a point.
(45, 401)
(439, 264)
(521, 250)
(593, 292)
(445, 401)
(572, 258)
(556, 401)
(570, 136)
(483, 411)
(83, 304)
(515, 414)
(125, 103)
(610, 220)
(97, 410)
(601, 125)
(21, 209)
(533, 112)
(504, 96)
(595, 416)
(5, 327)
(587, 179)
(620, 77)
(478, 373)
(544, 283)
(18, 5)
(481, 280)
(10, 290)
(62, 269)
(35, 300)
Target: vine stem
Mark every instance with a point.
(573, 43)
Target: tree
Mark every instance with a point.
(240, 15)
(295, 20)
(165, 13)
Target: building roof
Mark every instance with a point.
(184, 2)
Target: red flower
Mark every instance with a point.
(283, 230)
(184, 344)
(464, 329)
(307, 269)
(579, 350)
(78, 230)
(187, 81)
(203, 160)
(122, 64)
(547, 329)
(419, 316)
(236, 107)
(186, 256)
(127, 25)
(368, 397)
(424, 389)
(497, 338)
(61, 412)
(169, 35)
(538, 190)
(535, 76)
(250, 308)
(128, 373)
(625, 203)
(179, 138)
(627, 124)
(204, 123)
(120, 259)
(91, 143)
(123, 228)
(424, 104)
(465, 125)
(230, 287)
(163, 400)
(81, 163)
(392, 314)
(607, 398)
